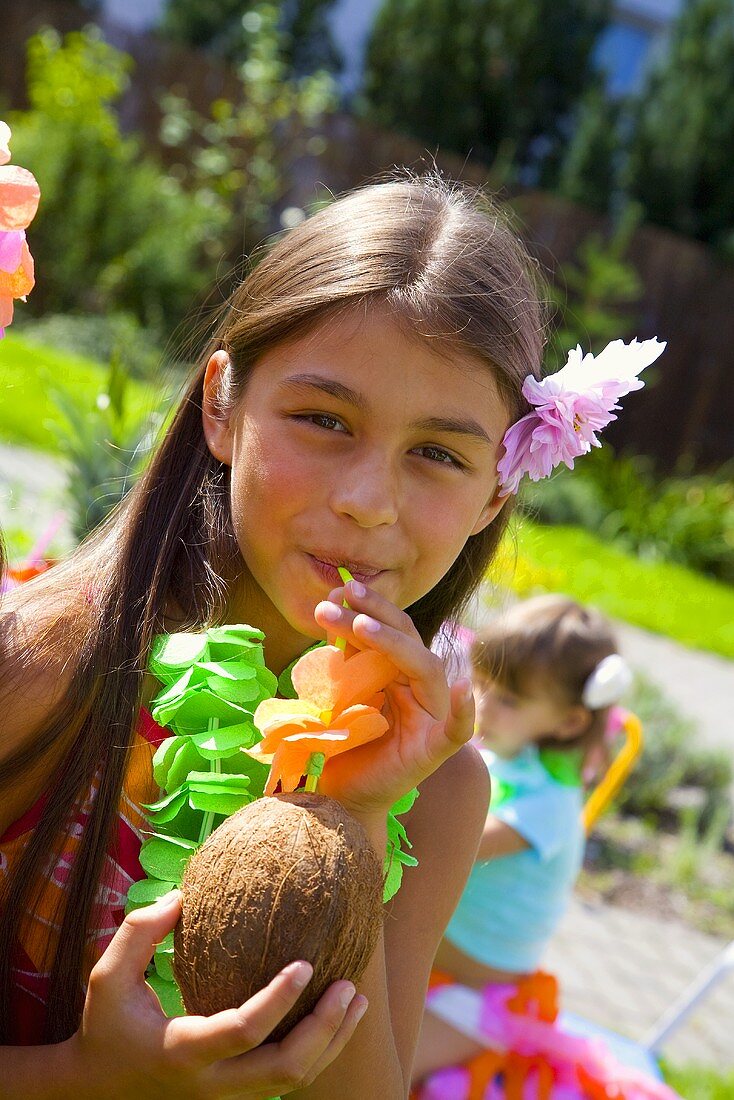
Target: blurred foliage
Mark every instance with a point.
(482, 76)
(672, 758)
(683, 519)
(106, 445)
(696, 1082)
(595, 295)
(238, 153)
(223, 28)
(590, 166)
(100, 336)
(682, 128)
(113, 229)
(30, 371)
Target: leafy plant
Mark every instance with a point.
(595, 294)
(114, 230)
(101, 336)
(105, 445)
(682, 519)
(237, 153)
(481, 75)
(223, 28)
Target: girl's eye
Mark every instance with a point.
(437, 454)
(323, 420)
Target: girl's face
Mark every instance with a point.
(354, 446)
(506, 721)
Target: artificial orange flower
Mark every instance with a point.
(336, 710)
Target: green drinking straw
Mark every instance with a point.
(346, 576)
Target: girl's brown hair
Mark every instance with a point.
(446, 265)
(549, 641)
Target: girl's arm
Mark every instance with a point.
(499, 839)
(444, 828)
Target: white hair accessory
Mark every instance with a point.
(607, 683)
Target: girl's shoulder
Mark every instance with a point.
(34, 677)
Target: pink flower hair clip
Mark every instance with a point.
(569, 407)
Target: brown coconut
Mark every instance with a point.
(285, 878)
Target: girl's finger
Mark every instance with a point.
(239, 1030)
(291, 1062)
(361, 598)
(133, 944)
(355, 1012)
(423, 670)
(460, 723)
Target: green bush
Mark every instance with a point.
(106, 445)
(113, 230)
(688, 520)
(101, 336)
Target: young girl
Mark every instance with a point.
(545, 676)
(350, 410)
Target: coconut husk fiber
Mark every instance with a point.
(285, 878)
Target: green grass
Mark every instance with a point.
(659, 596)
(700, 1082)
(28, 371)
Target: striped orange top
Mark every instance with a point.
(38, 939)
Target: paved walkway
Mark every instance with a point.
(700, 685)
(622, 970)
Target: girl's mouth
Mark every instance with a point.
(328, 571)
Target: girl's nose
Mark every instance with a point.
(366, 492)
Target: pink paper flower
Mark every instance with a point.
(19, 195)
(570, 406)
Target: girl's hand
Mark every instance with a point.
(428, 721)
(126, 1047)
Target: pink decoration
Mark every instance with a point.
(19, 195)
(570, 406)
(11, 249)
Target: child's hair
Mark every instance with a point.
(444, 263)
(553, 642)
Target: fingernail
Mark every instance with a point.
(465, 689)
(357, 589)
(361, 1008)
(346, 995)
(368, 624)
(330, 612)
(299, 973)
(168, 899)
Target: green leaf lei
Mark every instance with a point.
(212, 685)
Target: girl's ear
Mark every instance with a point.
(575, 721)
(214, 415)
(490, 511)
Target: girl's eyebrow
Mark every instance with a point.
(455, 425)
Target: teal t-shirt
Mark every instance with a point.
(512, 905)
